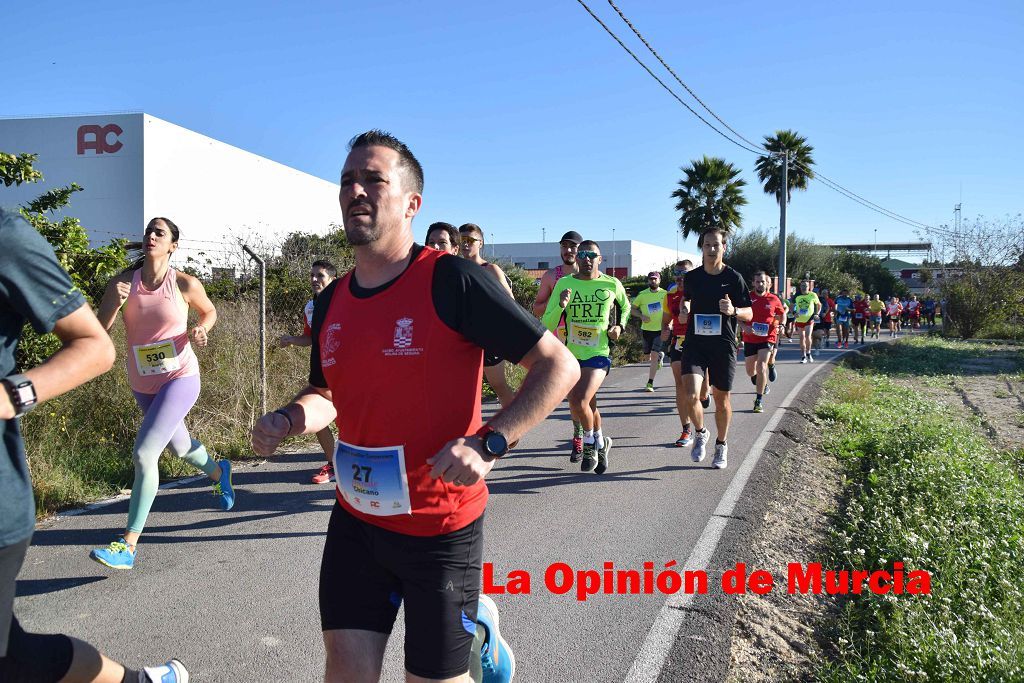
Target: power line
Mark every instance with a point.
(662, 83)
(643, 40)
(760, 151)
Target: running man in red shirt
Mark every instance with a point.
(403, 331)
(321, 274)
(672, 335)
(861, 310)
(761, 335)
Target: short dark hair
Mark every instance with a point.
(471, 229)
(326, 266)
(589, 243)
(453, 232)
(685, 262)
(707, 231)
(406, 161)
(759, 272)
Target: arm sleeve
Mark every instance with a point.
(32, 283)
(474, 304)
(621, 298)
(553, 312)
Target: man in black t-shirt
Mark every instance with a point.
(718, 297)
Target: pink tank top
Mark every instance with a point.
(156, 323)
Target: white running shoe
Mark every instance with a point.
(700, 440)
(810, 358)
(804, 359)
(721, 460)
(171, 672)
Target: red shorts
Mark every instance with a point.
(809, 322)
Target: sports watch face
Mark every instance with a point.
(496, 444)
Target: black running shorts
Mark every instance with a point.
(675, 349)
(490, 361)
(36, 657)
(717, 358)
(750, 349)
(652, 341)
(367, 572)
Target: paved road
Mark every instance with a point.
(234, 595)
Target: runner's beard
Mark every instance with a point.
(359, 236)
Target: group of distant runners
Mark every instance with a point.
(435, 320)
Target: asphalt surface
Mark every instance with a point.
(234, 595)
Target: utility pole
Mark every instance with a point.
(612, 272)
(783, 292)
(543, 235)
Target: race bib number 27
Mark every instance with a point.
(372, 480)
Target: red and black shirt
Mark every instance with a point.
(404, 363)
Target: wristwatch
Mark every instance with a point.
(23, 393)
(495, 443)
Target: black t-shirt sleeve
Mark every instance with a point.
(320, 306)
(741, 294)
(472, 302)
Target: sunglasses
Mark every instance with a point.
(587, 255)
(470, 240)
(678, 273)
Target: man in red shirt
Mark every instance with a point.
(860, 316)
(673, 332)
(321, 274)
(403, 332)
(761, 335)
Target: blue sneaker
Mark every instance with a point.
(223, 489)
(171, 672)
(117, 555)
(496, 658)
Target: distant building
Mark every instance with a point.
(135, 166)
(920, 280)
(622, 258)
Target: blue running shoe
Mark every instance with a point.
(223, 489)
(117, 555)
(171, 672)
(496, 658)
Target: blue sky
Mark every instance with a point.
(528, 116)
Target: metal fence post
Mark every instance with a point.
(263, 327)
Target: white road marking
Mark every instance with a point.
(650, 660)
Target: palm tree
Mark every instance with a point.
(709, 196)
(769, 168)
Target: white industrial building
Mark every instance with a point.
(621, 258)
(135, 166)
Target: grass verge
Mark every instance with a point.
(924, 486)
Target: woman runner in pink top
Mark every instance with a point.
(163, 374)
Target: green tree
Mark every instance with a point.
(710, 195)
(769, 167)
(90, 268)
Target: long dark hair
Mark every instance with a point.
(137, 263)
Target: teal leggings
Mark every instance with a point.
(163, 427)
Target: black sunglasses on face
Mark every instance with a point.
(587, 255)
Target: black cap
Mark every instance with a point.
(571, 236)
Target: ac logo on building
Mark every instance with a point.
(97, 138)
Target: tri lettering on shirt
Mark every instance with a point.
(588, 306)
